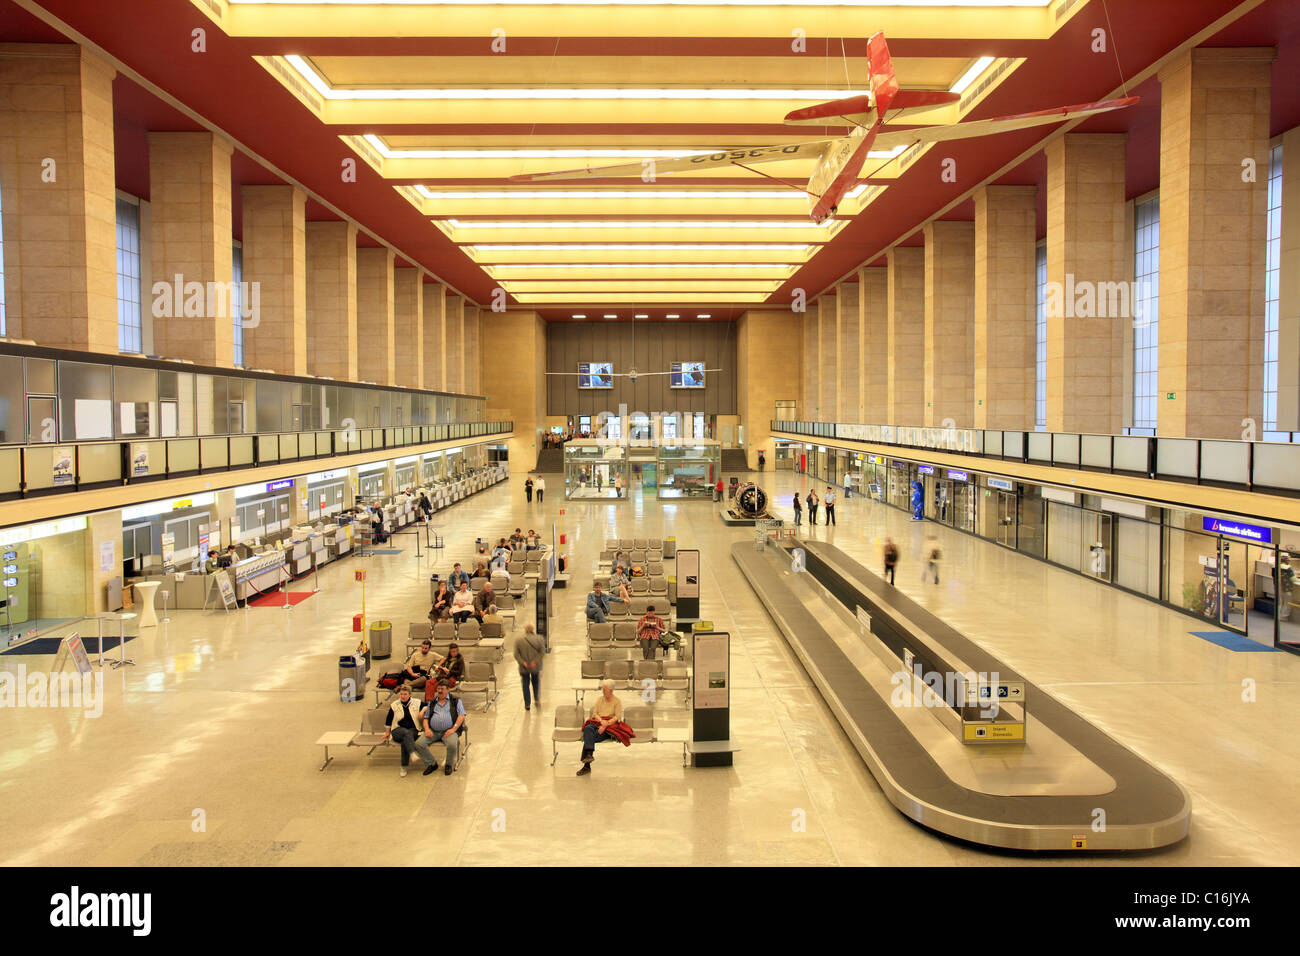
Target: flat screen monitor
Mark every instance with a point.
(595, 375)
(688, 375)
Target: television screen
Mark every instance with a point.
(595, 375)
(688, 375)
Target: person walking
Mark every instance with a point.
(528, 490)
(932, 555)
(761, 461)
(539, 488)
(618, 486)
(798, 510)
(812, 506)
(829, 501)
(891, 558)
(530, 654)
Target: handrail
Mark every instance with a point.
(1250, 465)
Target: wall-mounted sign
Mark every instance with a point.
(1238, 529)
(279, 485)
(182, 503)
(925, 469)
(168, 543)
(107, 555)
(1004, 483)
(958, 475)
(63, 473)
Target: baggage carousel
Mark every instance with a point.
(956, 739)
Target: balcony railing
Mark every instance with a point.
(1271, 467)
(32, 470)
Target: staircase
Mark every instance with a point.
(734, 460)
(550, 461)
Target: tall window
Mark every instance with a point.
(1272, 274)
(1146, 315)
(128, 276)
(237, 301)
(1040, 343)
(4, 330)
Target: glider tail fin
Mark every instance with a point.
(880, 66)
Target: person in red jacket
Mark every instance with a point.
(717, 491)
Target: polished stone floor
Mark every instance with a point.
(204, 753)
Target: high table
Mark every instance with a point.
(146, 592)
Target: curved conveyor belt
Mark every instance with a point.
(1145, 808)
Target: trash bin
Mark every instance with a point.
(381, 640)
(352, 679)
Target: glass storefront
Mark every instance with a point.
(594, 470)
(688, 471)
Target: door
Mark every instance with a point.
(1007, 518)
(1234, 572)
(1095, 542)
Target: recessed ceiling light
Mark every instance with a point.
(703, 315)
(674, 316)
(611, 316)
(641, 315)
(579, 315)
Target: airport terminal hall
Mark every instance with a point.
(649, 433)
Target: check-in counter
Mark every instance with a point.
(258, 574)
(300, 557)
(338, 542)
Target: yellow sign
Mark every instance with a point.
(361, 575)
(182, 503)
(1078, 842)
(994, 731)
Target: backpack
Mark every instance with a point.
(638, 571)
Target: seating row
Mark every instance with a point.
(634, 544)
(642, 720)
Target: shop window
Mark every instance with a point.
(1272, 281)
(237, 300)
(1146, 315)
(1040, 341)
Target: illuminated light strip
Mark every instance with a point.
(573, 152)
(546, 93)
(645, 246)
(646, 224)
(640, 265)
(617, 194)
(971, 75)
(647, 3)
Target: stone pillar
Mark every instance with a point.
(1087, 283)
(827, 359)
(59, 200)
(275, 264)
(949, 323)
(408, 326)
(848, 361)
(905, 396)
(433, 353)
(191, 241)
(810, 399)
(473, 348)
(763, 377)
(454, 339)
(1288, 355)
(520, 395)
(1214, 114)
(332, 299)
(103, 528)
(873, 332)
(375, 360)
(1006, 304)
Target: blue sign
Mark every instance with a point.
(925, 469)
(1002, 483)
(279, 485)
(1238, 529)
(958, 475)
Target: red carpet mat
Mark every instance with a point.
(276, 599)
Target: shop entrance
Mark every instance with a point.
(944, 510)
(963, 506)
(1007, 517)
(1095, 541)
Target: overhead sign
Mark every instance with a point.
(958, 475)
(279, 485)
(1238, 529)
(1006, 484)
(1005, 692)
(925, 469)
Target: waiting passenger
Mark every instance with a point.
(457, 577)
(606, 718)
(449, 670)
(419, 665)
(648, 631)
(598, 605)
(620, 583)
(443, 717)
(402, 723)
(462, 604)
(485, 602)
(441, 609)
(481, 571)
(530, 542)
